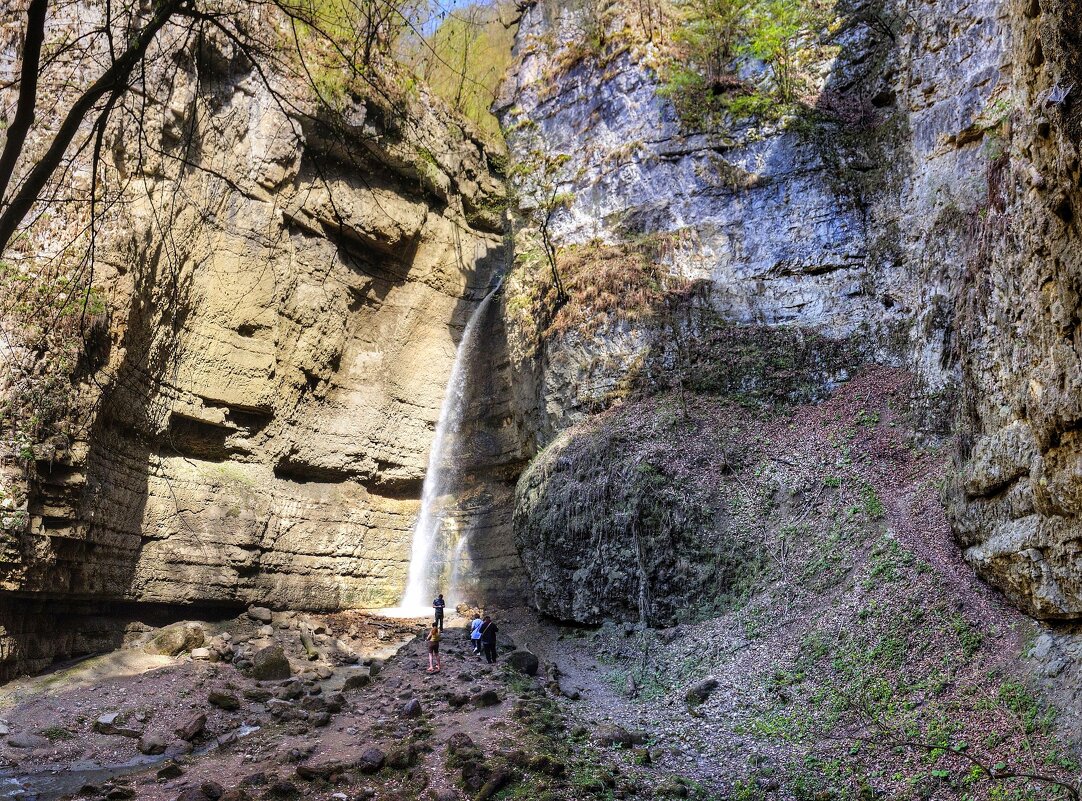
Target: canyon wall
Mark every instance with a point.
(285, 293)
(1015, 503)
(918, 213)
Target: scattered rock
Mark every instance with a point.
(357, 678)
(567, 691)
(25, 739)
(700, 691)
(192, 727)
(175, 639)
(543, 763)
(411, 709)
(322, 770)
(223, 700)
(212, 790)
(523, 661)
(496, 782)
(170, 770)
(270, 664)
(371, 761)
(153, 743)
(282, 789)
(111, 723)
(201, 653)
(178, 748)
(611, 734)
(485, 698)
(260, 614)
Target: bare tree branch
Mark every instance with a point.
(28, 94)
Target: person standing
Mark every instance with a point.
(475, 634)
(437, 607)
(488, 639)
(433, 639)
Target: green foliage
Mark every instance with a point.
(873, 506)
(1034, 716)
(55, 733)
(714, 36)
(465, 59)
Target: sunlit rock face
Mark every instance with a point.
(282, 323)
(935, 231)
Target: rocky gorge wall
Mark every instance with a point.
(284, 300)
(1015, 503)
(872, 227)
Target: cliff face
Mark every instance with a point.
(874, 228)
(1016, 501)
(285, 300)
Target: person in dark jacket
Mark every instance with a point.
(488, 639)
(437, 607)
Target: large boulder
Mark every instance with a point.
(175, 639)
(523, 661)
(270, 664)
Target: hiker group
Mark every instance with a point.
(482, 636)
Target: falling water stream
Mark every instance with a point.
(424, 571)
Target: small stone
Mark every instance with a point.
(177, 749)
(411, 709)
(282, 789)
(27, 740)
(357, 678)
(254, 780)
(169, 770)
(371, 761)
(106, 724)
(610, 734)
(260, 614)
(223, 700)
(201, 653)
(212, 790)
(485, 698)
(495, 783)
(700, 691)
(153, 743)
(192, 727)
(567, 691)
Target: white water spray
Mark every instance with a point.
(423, 573)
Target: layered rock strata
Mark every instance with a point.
(285, 299)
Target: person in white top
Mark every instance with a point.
(475, 634)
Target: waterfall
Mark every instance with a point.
(442, 462)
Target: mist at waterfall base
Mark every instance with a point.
(436, 522)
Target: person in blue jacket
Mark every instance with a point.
(437, 606)
(475, 634)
